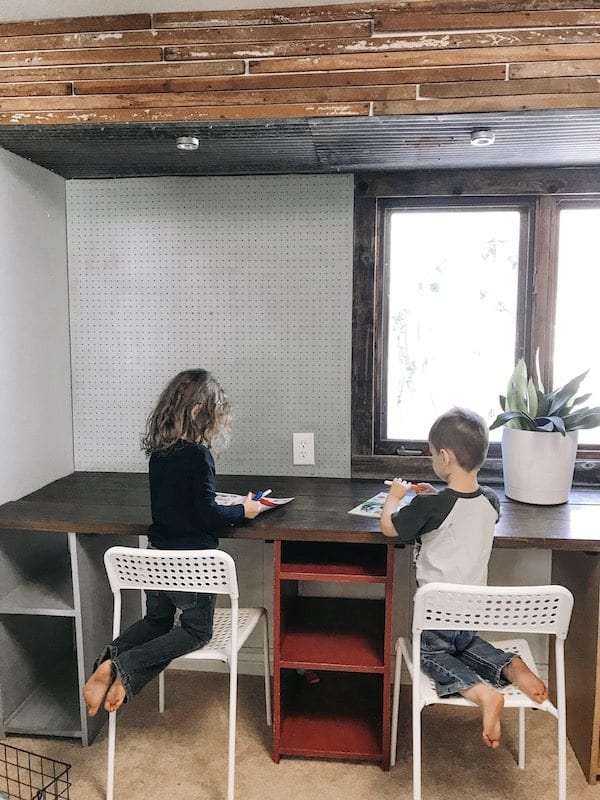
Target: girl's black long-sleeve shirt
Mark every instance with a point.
(185, 515)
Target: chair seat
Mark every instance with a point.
(218, 647)
(513, 697)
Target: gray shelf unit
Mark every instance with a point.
(55, 617)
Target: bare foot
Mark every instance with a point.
(491, 704)
(519, 674)
(96, 688)
(115, 696)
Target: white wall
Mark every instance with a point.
(36, 442)
(11, 10)
(249, 277)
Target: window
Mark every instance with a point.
(456, 276)
(452, 287)
(578, 289)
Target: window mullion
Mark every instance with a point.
(545, 249)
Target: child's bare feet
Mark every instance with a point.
(519, 674)
(96, 688)
(115, 696)
(491, 704)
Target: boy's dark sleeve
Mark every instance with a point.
(493, 498)
(210, 514)
(410, 521)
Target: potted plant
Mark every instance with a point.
(539, 439)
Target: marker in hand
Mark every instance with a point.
(416, 487)
(258, 495)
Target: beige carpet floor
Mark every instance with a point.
(181, 755)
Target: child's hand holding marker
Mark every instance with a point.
(417, 488)
(252, 507)
(260, 494)
(263, 503)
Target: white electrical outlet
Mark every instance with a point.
(304, 448)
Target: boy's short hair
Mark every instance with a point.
(463, 432)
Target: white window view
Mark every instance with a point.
(452, 314)
(578, 288)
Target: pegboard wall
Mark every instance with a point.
(249, 277)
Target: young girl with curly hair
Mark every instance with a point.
(191, 418)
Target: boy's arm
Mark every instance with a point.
(409, 522)
(397, 493)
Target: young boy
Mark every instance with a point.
(453, 531)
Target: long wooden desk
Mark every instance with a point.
(119, 503)
(93, 511)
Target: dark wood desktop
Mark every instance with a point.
(119, 503)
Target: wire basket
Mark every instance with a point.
(26, 776)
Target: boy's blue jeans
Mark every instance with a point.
(146, 647)
(459, 660)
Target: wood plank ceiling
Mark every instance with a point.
(316, 88)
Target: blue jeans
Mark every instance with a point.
(459, 660)
(146, 647)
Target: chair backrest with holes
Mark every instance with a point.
(526, 609)
(211, 571)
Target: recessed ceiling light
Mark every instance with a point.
(482, 137)
(187, 143)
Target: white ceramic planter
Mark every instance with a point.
(538, 466)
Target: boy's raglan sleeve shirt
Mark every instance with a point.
(426, 512)
(493, 498)
(410, 520)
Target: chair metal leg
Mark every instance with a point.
(161, 692)
(416, 723)
(395, 706)
(110, 771)
(232, 723)
(521, 738)
(232, 726)
(561, 707)
(267, 669)
(562, 758)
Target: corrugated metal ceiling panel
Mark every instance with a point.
(427, 142)
(341, 144)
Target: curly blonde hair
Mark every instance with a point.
(192, 407)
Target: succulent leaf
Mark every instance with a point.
(526, 422)
(519, 379)
(543, 404)
(565, 395)
(514, 398)
(583, 420)
(550, 423)
(532, 399)
(581, 399)
(528, 407)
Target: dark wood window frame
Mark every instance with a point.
(545, 191)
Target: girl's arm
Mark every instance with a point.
(210, 514)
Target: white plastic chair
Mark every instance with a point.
(522, 609)
(208, 571)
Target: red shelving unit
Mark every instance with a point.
(347, 642)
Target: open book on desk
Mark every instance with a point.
(374, 505)
(225, 499)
